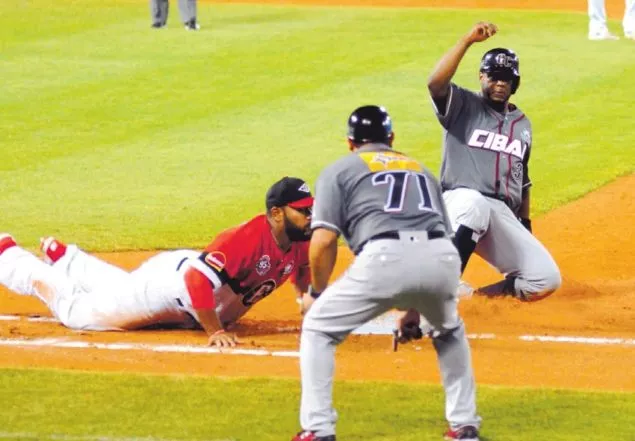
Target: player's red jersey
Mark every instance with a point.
(245, 265)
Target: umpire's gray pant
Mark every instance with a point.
(412, 272)
(159, 10)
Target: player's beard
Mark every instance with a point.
(294, 233)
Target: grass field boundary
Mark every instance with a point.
(62, 437)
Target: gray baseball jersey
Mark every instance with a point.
(375, 190)
(484, 150)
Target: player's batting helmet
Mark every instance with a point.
(502, 64)
(369, 124)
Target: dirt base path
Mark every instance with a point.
(614, 8)
(586, 238)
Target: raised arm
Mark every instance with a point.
(439, 80)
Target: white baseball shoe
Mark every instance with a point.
(52, 249)
(602, 34)
(6, 241)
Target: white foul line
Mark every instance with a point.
(192, 349)
(583, 340)
(382, 325)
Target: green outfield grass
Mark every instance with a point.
(118, 136)
(47, 403)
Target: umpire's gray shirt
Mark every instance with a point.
(374, 190)
(482, 149)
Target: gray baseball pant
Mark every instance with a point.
(159, 10)
(412, 272)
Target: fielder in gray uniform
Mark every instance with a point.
(484, 174)
(391, 212)
(187, 8)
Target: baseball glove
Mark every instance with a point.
(408, 332)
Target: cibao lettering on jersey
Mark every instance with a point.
(497, 142)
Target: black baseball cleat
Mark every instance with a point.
(192, 25)
(158, 25)
(306, 435)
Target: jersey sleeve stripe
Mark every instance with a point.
(327, 225)
(207, 271)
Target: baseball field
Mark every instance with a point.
(127, 140)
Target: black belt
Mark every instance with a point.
(394, 235)
(507, 201)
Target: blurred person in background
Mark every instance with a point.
(187, 9)
(598, 30)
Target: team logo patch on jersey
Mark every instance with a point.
(288, 268)
(264, 265)
(497, 142)
(380, 161)
(517, 171)
(216, 260)
(525, 136)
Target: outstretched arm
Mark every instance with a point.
(439, 80)
(201, 293)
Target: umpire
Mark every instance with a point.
(187, 8)
(391, 213)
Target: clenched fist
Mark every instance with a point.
(481, 32)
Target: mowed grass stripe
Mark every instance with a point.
(202, 408)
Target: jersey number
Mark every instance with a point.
(397, 181)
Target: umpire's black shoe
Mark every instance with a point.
(192, 25)
(305, 435)
(158, 25)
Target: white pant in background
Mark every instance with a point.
(597, 17)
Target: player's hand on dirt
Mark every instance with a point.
(481, 32)
(222, 339)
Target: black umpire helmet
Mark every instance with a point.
(369, 124)
(501, 63)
